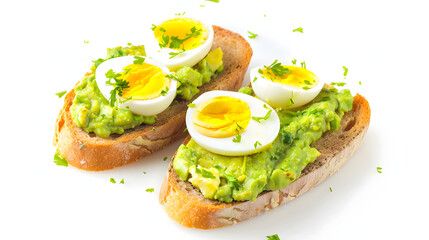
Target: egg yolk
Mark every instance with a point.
(146, 81)
(181, 33)
(221, 117)
(299, 78)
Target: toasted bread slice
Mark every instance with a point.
(186, 205)
(106, 153)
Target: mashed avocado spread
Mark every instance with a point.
(92, 112)
(228, 179)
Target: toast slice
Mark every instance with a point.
(99, 154)
(186, 205)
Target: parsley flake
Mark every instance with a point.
(216, 1)
(294, 62)
(300, 29)
(237, 138)
(138, 60)
(346, 70)
(291, 100)
(86, 41)
(303, 65)
(118, 86)
(205, 173)
(379, 169)
(81, 146)
(267, 116)
(255, 79)
(330, 189)
(165, 158)
(360, 83)
(174, 54)
(153, 27)
(164, 92)
(149, 190)
(122, 181)
(273, 237)
(153, 129)
(202, 5)
(257, 143)
(144, 172)
(191, 105)
(277, 69)
(186, 129)
(60, 161)
(252, 35)
(61, 94)
(339, 84)
(112, 180)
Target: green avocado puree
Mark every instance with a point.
(91, 110)
(228, 179)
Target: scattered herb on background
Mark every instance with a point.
(149, 190)
(346, 70)
(330, 189)
(379, 169)
(144, 172)
(153, 27)
(303, 65)
(216, 1)
(273, 237)
(300, 29)
(61, 94)
(360, 83)
(339, 84)
(252, 35)
(277, 69)
(294, 62)
(86, 41)
(165, 158)
(112, 180)
(255, 79)
(267, 116)
(122, 181)
(59, 160)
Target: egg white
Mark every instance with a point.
(187, 58)
(278, 95)
(264, 132)
(140, 107)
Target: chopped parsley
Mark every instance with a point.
(138, 60)
(81, 146)
(267, 116)
(165, 158)
(257, 143)
(153, 129)
(86, 41)
(330, 189)
(252, 35)
(277, 69)
(180, 14)
(61, 94)
(237, 138)
(216, 1)
(118, 86)
(300, 29)
(186, 129)
(346, 70)
(149, 190)
(174, 54)
(303, 65)
(205, 173)
(202, 5)
(175, 42)
(379, 169)
(273, 237)
(153, 27)
(360, 83)
(255, 79)
(291, 100)
(164, 92)
(122, 181)
(144, 172)
(191, 105)
(294, 62)
(60, 161)
(112, 180)
(339, 84)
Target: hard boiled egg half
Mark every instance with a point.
(232, 123)
(283, 86)
(149, 90)
(180, 41)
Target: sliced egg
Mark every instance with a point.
(232, 123)
(180, 41)
(150, 91)
(293, 89)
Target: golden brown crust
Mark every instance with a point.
(99, 154)
(186, 205)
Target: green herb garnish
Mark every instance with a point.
(138, 60)
(174, 54)
(186, 129)
(118, 86)
(60, 161)
(153, 27)
(191, 105)
(257, 143)
(205, 173)
(165, 158)
(61, 94)
(294, 62)
(81, 146)
(379, 169)
(216, 1)
(153, 129)
(164, 92)
(291, 100)
(303, 65)
(339, 84)
(277, 69)
(122, 181)
(252, 35)
(360, 83)
(273, 237)
(267, 116)
(255, 79)
(86, 41)
(330, 189)
(300, 29)
(112, 180)
(149, 190)
(346, 70)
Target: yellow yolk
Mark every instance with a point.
(146, 81)
(221, 117)
(180, 28)
(299, 78)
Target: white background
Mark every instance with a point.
(384, 44)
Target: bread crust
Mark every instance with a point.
(99, 154)
(186, 205)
